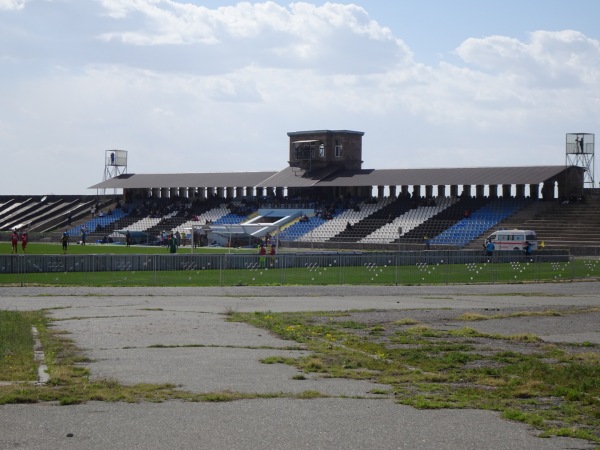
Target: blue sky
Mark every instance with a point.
(212, 86)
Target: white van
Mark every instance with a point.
(513, 239)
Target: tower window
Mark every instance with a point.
(338, 149)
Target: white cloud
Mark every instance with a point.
(303, 35)
(12, 5)
(549, 58)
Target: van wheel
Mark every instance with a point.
(516, 248)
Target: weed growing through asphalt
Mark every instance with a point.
(552, 387)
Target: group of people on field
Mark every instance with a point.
(262, 254)
(17, 237)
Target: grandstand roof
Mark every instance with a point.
(446, 176)
(332, 176)
(175, 180)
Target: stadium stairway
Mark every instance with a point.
(568, 226)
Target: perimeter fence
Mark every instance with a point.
(315, 268)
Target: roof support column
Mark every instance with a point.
(480, 191)
(493, 190)
(454, 190)
(249, 191)
(520, 191)
(428, 191)
(380, 191)
(404, 190)
(534, 191)
(229, 192)
(393, 191)
(506, 190)
(416, 191)
(548, 190)
(164, 192)
(221, 192)
(441, 190)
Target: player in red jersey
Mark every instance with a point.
(24, 240)
(14, 240)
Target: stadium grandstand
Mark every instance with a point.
(325, 199)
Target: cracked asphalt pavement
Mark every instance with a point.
(126, 332)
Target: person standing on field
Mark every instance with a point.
(24, 240)
(262, 252)
(64, 240)
(83, 235)
(14, 240)
(489, 248)
(172, 245)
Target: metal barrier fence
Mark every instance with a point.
(317, 268)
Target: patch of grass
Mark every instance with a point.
(550, 387)
(310, 394)
(16, 344)
(376, 330)
(278, 360)
(353, 325)
(407, 321)
(380, 391)
(470, 316)
(524, 337)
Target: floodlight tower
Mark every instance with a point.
(115, 164)
(579, 151)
